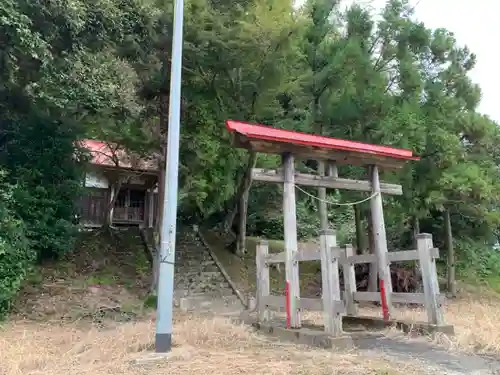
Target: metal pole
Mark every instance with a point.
(163, 342)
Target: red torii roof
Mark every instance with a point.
(261, 138)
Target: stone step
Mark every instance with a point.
(196, 288)
(204, 293)
(193, 258)
(200, 284)
(202, 275)
(214, 293)
(193, 270)
(204, 303)
(196, 262)
(202, 287)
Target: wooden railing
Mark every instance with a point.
(334, 303)
(128, 214)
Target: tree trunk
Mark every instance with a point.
(114, 190)
(108, 214)
(243, 188)
(415, 231)
(242, 224)
(416, 268)
(358, 220)
(450, 261)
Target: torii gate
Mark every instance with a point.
(291, 145)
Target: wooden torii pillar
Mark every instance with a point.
(290, 229)
(290, 145)
(379, 236)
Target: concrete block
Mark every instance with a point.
(306, 336)
(405, 326)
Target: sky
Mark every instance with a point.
(475, 24)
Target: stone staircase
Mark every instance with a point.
(199, 284)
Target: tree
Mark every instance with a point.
(60, 75)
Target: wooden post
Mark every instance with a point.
(151, 208)
(330, 282)
(127, 203)
(112, 194)
(429, 279)
(349, 282)
(242, 224)
(263, 281)
(290, 224)
(379, 236)
(332, 170)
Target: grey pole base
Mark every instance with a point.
(163, 342)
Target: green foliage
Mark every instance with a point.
(60, 74)
(477, 261)
(268, 223)
(42, 161)
(16, 256)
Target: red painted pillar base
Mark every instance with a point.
(383, 300)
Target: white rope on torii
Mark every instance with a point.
(336, 203)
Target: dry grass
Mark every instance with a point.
(54, 332)
(202, 346)
(474, 318)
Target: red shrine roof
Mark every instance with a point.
(252, 133)
(110, 155)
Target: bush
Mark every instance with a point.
(477, 260)
(16, 256)
(41, 158)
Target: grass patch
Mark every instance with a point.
(483, 285)
(151, 301)
(101, 279)
(102, 275)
